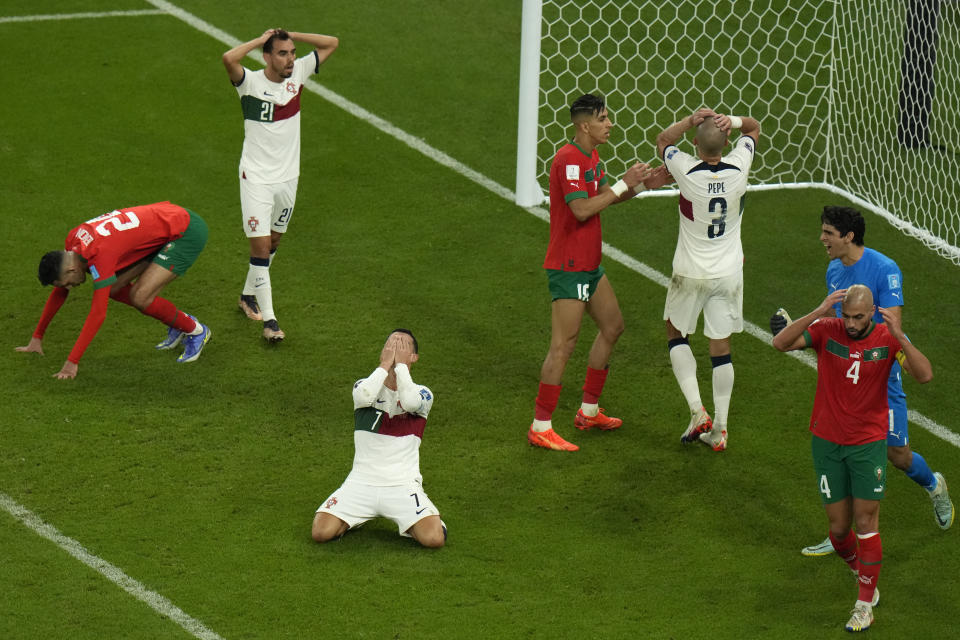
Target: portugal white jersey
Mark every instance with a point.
(388, 428)
(271, 123)
(711, 207)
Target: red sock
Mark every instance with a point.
(593, 385)
(547, 397)
(847, 549)
(165, 311)
(871, 559)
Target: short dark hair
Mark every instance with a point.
(588, 104)
(845, 220)
(50, 265)
(279, 34)
(416, 347)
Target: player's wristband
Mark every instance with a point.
(619, 188)
(736, 122)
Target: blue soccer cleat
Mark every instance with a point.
(174, 337)
(194, 344)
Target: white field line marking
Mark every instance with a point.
(112, 573)
(76, 16)
(485, 182)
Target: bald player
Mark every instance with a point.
(849, 424)
(708, 262)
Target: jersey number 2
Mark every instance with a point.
(113, 219)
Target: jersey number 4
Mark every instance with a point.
(854, 371)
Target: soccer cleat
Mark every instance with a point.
(194, 345)
(600, 421)
(825, 548)
(860, 618)
(173, 338)
(272, 331)
(249, 306)
(549, 440)
(716, 438)
(942, 506)
(700, 422)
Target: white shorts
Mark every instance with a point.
(356, 503)
(720, 300)
(267, 207)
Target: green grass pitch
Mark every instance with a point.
(200, 481)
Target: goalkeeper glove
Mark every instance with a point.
(779, 321)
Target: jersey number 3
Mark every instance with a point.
(719, 224)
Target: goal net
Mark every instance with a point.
(860, 97)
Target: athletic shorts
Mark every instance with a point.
(898, 435)
(576, 285)
(356, 503)
(179, 255)
(858, 470)
(267, 207)
(720, 300)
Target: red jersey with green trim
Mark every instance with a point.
(108, 244)
(574, 245)
(851, 402)
(124, 237)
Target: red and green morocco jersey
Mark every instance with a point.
(851, 402)
(574, 245)
(123, 237)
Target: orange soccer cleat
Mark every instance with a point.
(600, 421)
(550, 440)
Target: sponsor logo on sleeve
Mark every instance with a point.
(672, 153)
(893, 280)
(573, 172)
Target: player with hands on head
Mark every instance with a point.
(708, 261)
(390, 415)
(580, 190)
(132, 254)
(270, 161)
(842, 232)
(849, 423)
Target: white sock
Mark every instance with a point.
(685, 369)
(258, 278)
(722, 390)
(589, 410)
(541, 425)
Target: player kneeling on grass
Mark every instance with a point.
(849, 424)
(389, 415)
(132, 254)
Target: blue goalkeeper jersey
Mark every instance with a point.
(883, 277)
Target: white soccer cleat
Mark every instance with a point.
(716, 438)
(942, 506)
(825, 548)
(700, 422)
(860, 618)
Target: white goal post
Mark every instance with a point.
(859, 97)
